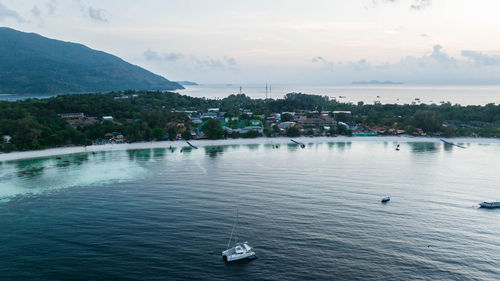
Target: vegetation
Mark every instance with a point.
(213, 129)
(144, 116)
(34, 64)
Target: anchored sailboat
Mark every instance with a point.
(241, 250)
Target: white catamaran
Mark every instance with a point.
(240, 250)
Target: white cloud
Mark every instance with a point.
(97, 14)
(480, 58)
(6, 13)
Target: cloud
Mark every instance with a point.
(151, 55)
(97, 14)
(51, 6)
(480, 58)
(416, 4)
(35, 11)
(435, 67)
(216, 63)
(420, 4)
(6, 13)
(186, 61)
(172, 56)
(441, 56)
(325, 62)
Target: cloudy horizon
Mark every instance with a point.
(310, 42)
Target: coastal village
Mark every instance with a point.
(248, 125)
(132, 116)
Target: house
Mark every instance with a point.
(249, 128)
(316, 121)
(175, 124)
(119, 138)
(7, 138)
(82, 122)
(209, 115)
(286, 125)
(344, 124)
(72, 115)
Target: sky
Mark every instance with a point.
(281, 41)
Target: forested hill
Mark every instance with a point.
(30, 63)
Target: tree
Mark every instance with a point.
(172, 133)
(429, 121)
(276, 129)
(213, 129)
(250, 134)
(186, 135)
(268, 132)
(343, 130)
(286, 117)
(158, 133)
(292, 132)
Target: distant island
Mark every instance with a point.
(376, 82)
(33, 64)
(187, 83)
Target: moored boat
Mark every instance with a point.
(490, 205)
(240, 250)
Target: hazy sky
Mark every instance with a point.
(281, 41)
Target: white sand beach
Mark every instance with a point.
(204, 143)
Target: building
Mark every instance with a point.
(316, 121)
(72, 115)
(286, 125)
(248, 129)
(82, 122)
(107, 118)
(209, 115)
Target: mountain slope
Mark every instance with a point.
(30, 63)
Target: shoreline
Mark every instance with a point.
(22, 155)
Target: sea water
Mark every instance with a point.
(310, 214)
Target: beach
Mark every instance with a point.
(19, 155)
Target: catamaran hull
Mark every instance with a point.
(238, 257)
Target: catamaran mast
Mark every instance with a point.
(235, 227)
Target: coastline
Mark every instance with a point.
(22, 155)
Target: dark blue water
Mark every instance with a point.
(310, 214)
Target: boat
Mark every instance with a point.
(451, 143)
(490, 205)
(397, 148)
(299, 143)
(386, 199)
(192, 145)
(240, 250)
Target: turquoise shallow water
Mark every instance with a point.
(310, 213)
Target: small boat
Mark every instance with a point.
(385, 199)
(240, 250)
(490, 205)
(192, 145)
(299, 143)
(451, 143)
(397, 148)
